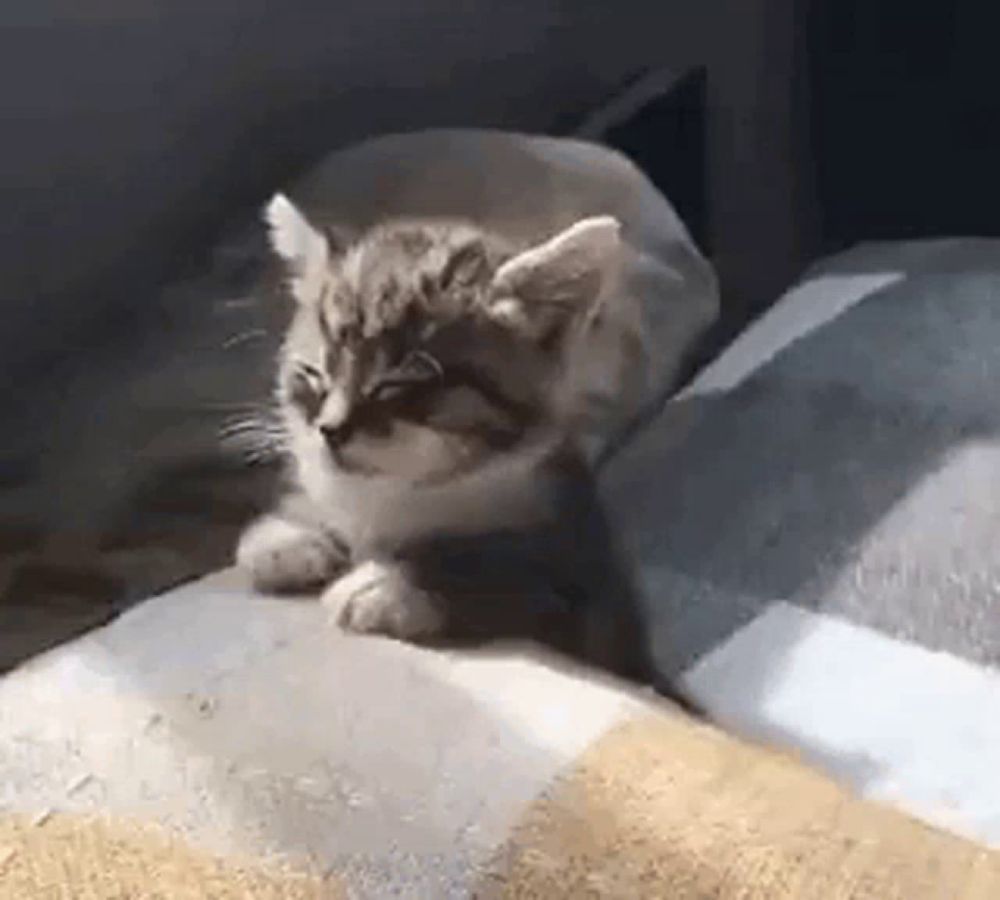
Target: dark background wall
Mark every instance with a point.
(134, 128)
(905, 118)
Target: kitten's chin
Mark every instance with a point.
(417, 456)
(415, 471)
(380, 510)
(324, 473)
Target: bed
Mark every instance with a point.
(813, 520)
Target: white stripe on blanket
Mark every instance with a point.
(915, 728)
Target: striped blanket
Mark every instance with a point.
(816, 521)
(214, 744)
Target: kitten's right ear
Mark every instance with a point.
(305, 250)
(542, 291)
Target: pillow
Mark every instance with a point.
(815, 521)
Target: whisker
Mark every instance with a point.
(262, 426)
(261, 451)
(244, 337)
(258, 451)
(242, 426)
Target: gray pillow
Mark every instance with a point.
(816, 521)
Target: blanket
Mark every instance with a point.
(216, 743)
(815, 521)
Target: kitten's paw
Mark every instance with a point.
(283, 557)
(378, 598)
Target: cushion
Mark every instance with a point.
(815, 522)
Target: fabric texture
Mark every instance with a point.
(213, 743)
(660, 807)
(815, 521)
(97, 859)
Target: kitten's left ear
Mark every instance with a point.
(545, 289)
(304, 249)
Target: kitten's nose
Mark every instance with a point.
(334, 434)
(333, 418)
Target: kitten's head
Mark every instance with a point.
(422, 351)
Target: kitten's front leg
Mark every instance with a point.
(381, 597)
(283, 556)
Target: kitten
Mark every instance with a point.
(432, 416)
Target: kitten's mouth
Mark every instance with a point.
(418, 455)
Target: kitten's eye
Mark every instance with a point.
(422, 365)
(307, 379)
(416, 369)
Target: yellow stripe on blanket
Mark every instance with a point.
(664, 808)
(94, 859)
